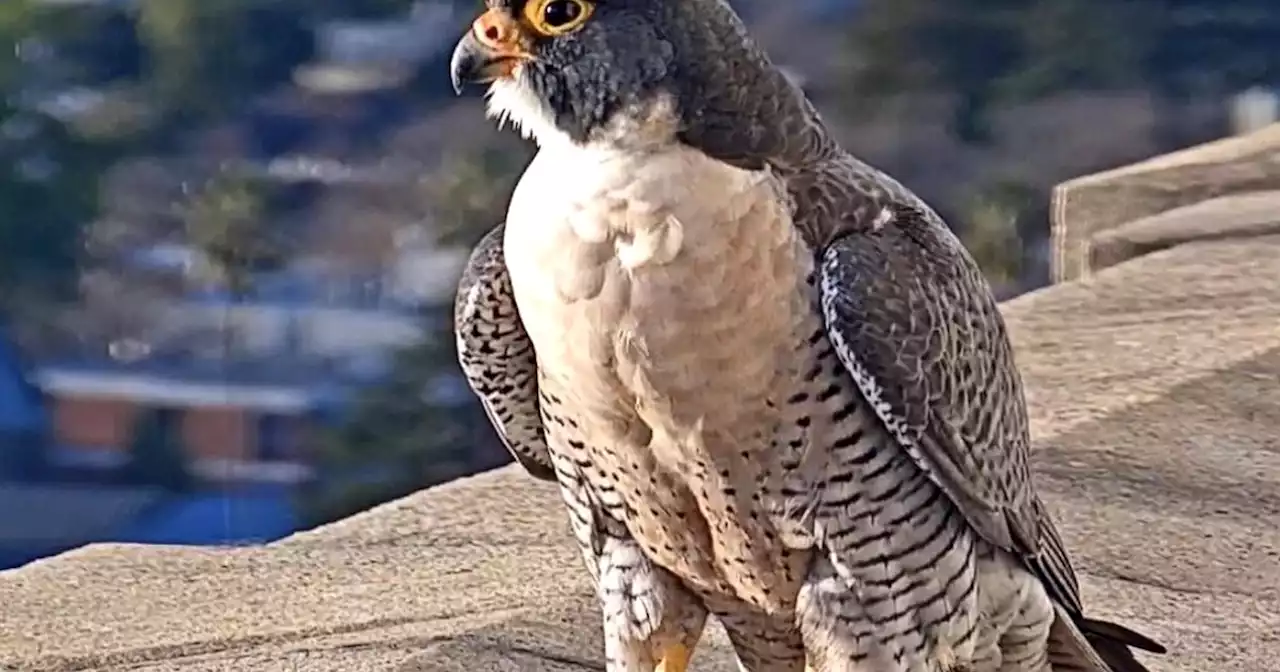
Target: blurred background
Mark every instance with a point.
(230, 230)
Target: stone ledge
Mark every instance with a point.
(1156, 415)
(1246, 215)
(1085, 207)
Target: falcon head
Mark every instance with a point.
(581, 69)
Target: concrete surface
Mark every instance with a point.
(1155, 396)
(1245, 215)
(1086, 206)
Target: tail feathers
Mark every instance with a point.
(1088, 645)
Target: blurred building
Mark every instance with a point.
(246, 382)
(246, 424)
(58, 456)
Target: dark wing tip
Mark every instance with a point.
(537, 463)
(1118, 634)
(536, 469)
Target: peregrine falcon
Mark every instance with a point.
(771, 384)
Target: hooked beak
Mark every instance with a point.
(493, 49)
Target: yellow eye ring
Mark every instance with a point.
(550, 18)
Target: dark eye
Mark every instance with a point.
(549, 18)
(559, 13)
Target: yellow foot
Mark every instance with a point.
(675, 658)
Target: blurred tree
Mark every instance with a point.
(48, 174)
(1082, 44)
(418, 428)
(18, 20)
(995, 218)
(986, 52)
(157, 456)
(470, 191)
(203, 57)
(948, 46)
(227, 222)
(1207, 48)
(46, 193)
(1222, 44)
(422, 426)
(364, 9)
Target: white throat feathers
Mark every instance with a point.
(644, 127)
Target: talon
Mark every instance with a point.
(675, 658)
